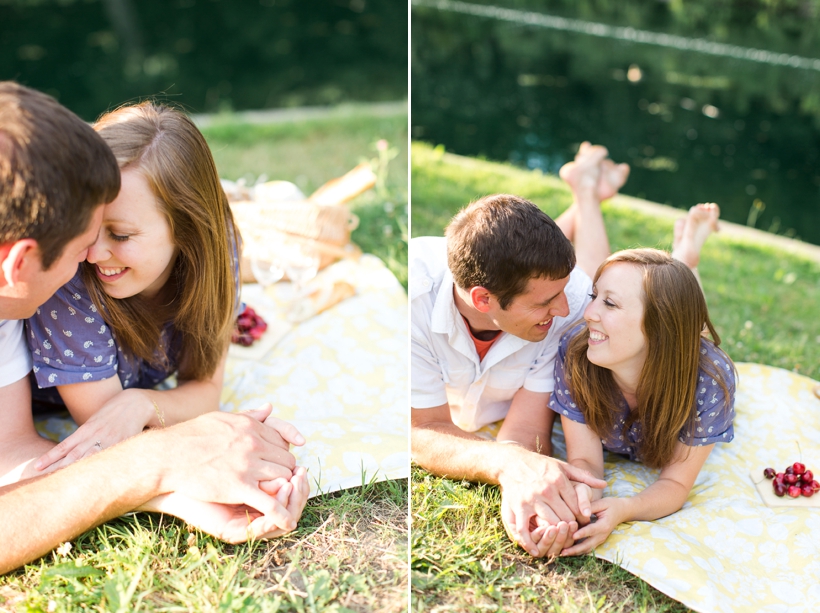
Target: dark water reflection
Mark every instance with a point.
(209, 55)
(694, 127)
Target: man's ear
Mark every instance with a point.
(13, 256)
(480, 298)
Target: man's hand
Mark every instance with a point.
(539, 486)
(287, 432)
(237, 523)
(222, 458)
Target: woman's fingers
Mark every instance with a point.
(286, 430)
(272, 487)
(79, 444)
(283, 495)
(584, 546)
(57, 453)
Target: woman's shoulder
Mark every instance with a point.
(717, 362)
(69, 312)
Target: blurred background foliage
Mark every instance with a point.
(694, 126)
(208, 55)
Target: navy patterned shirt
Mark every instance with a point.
(70, 343)
(714, 412)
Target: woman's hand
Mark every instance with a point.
(292, 495)
(609, 513)
(123, 416)
(237, 523)
(551, 539)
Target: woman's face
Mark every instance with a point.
(134, 252)
(615, 321)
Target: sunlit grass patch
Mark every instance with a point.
(348, 554)
(462, 560)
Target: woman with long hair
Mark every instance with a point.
(158, 294)
(639, 377)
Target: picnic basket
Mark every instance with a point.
(323, 221)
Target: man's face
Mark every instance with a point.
(42, 284)
(530, 314)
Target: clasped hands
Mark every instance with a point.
(251, 490)
(549, 508)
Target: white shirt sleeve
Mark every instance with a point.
(15, 359)
(427, 382)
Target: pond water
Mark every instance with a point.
(208, 55)
(707, 102)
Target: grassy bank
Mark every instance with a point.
(763, 302)
(350, 550)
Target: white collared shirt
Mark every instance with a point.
(15, 359)
(445, 367)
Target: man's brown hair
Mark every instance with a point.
(54, 171)
(675, 315)
(500, 242)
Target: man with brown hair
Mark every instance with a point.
(490, 302)
(55, 173)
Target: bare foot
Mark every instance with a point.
(578, 173)
(584, 173)
(691, 232)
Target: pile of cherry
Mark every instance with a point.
(249, 328)
(795, 481)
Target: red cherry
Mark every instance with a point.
(816, 485)
(780, 477)
(790, 479)
(807, 476)
(769, 473)
(807, 491)
(789, 470)
(798, 468)
(779, 489)
(794, 491)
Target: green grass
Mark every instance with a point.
(350, 550)
(348, 554)
(763, 302)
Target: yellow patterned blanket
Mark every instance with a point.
(340, 377)
(725, 551)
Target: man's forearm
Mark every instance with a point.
(38, 514)
(448, 451)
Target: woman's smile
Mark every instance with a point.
(110, 274)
